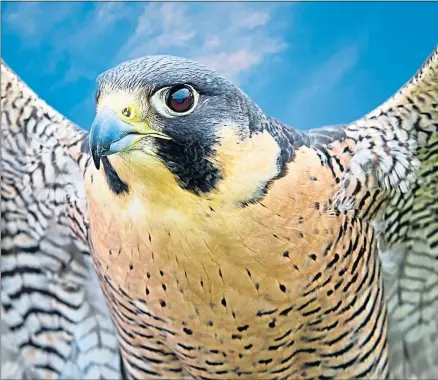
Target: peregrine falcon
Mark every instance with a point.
(227, 245)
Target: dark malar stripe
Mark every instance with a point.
(116, 185)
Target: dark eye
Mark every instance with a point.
(180, 98)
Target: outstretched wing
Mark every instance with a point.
(54, 319)
(409, 244)
(389, 165)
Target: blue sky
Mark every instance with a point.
(307, 64)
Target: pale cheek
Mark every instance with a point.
(246, 165)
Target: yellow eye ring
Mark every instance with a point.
(128, 112)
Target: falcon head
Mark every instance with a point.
(174, 124)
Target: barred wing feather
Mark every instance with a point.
(55, 323)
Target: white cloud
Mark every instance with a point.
(233, 63)
(230, 37)
(80, 40)
(233, 38)
(26, 18)
(108, 13)
(324, 77)
(251, 20)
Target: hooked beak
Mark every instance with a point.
(110, 135)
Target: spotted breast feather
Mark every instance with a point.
(229, 245)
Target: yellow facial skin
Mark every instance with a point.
(119, 102)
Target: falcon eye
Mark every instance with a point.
(127, 112)
(180, 99)
(175, 101)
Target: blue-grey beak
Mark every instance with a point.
(110, 135)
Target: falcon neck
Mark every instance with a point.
(288, 139)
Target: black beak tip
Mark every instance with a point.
(96, 162)
(96, 157)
